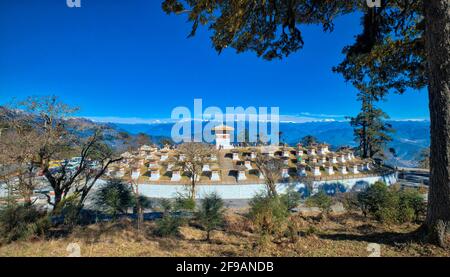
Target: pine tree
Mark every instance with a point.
(370, 130)
(404, 44)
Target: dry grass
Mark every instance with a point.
(341, 235)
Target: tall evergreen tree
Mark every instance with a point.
(370, 129)
(404, 44)
(309, 140)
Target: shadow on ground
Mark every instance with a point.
(394, 239)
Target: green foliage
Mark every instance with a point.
(309, 140)
(99, 150)
(268, 215)
(322, 201)
(369, 128)
(291, 199)
(268, 28)
(389, 54)
(169, 224)
(387, 214)
(211, 213)
(349, 200)
(18, 222)
(114, 198)
(165, 205)
(145, 202)
(183, 202)
(69, 208)
(166, 141)
(392, 206)
(378, 201)
(411, 205)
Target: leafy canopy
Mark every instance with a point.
(389, 53)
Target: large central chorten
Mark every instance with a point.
(223, 136)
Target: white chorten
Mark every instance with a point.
(223, 136)
(176, 175)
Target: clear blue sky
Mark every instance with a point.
(129, 59)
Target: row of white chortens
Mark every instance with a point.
(317, 160)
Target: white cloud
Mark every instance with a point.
(137, 120)
(127, 120)
(321, 115)
(411, 119)
(301, 118)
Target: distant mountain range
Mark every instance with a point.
(408, 140)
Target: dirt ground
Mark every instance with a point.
(339, 235)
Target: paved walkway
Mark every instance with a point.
(226, 165)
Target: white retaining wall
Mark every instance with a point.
(244, 191)
(247, 191)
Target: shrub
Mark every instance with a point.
(391, 205)
(322, 201)
(165, 205)
(69, 209)
(268, 215)
(114, 198)
(293, 228)
(19, 222)
(411, 205)
(387, 214)
(211, 213)
(168, 225)
(146, 203)
(291, 199)
(184, 203)
(349, 200)
(375, 200)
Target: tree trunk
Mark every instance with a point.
(139, 215)
(193, 181)
(364, 141)
(58, 198)
(271, 189)
(437, 15)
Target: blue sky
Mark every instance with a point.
(129, 61)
